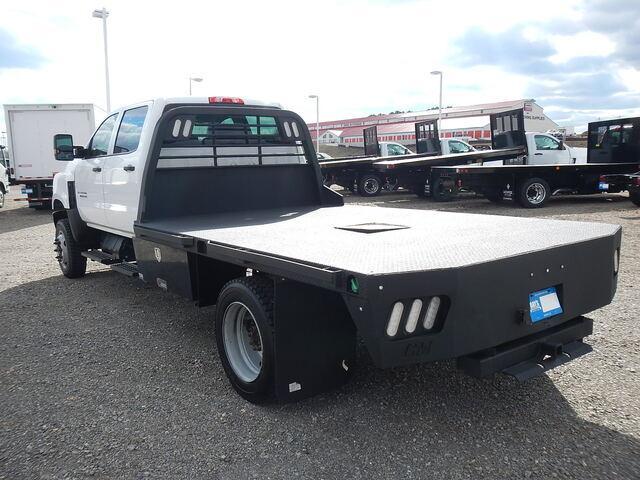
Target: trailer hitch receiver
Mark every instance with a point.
(531, 356)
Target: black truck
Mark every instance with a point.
(613, 149)
(232, 211)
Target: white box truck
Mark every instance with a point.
(29, 132)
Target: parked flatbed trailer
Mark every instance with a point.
(230, 210)
(613, 149)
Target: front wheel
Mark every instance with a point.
(68, 253)
(2, 196)
(369, 185)
(244, 336)
(533, 193)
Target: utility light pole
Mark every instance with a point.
(103, 14)
(438, 72)
(193, 79)
(317, 121)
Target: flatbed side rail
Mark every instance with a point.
(318, 275)
(461, 158)
(571, 167)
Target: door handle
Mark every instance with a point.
(128, 168)
(537, 154)
(96, 169)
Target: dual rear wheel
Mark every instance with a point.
(244, 336)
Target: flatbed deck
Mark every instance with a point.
(333, 237)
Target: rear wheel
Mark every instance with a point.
(534, 193)
(244, 335)
(68, 253)
(635, 198)
(369, 185)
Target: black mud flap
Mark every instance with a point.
(315, 341)
(531, 356)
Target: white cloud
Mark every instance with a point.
(360, 57)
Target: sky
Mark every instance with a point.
(579, 59)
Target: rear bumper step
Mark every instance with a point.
(531, 356)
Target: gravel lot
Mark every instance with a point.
(107, 378)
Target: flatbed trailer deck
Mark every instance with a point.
(240, 219)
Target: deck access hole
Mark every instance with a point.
(372, 227)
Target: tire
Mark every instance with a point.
(439, 192)
(635, 198)
(369, 185)
(244, 319)
(533, 193)
(68, 253)
(2, 197)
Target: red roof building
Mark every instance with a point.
(471, 122)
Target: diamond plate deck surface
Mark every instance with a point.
(434, 240)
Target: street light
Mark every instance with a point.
(193, 79)
(103, 14)
(317, 121)
(438, 72)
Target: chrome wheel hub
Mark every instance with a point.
(242, 341)
(536, 193)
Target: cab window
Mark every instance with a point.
(130, 130)
(99, 144)
(456, 146)
(546, 143)
(396, 149)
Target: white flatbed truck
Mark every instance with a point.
(613, 148)
(221, 200)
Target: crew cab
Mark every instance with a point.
(220, 200)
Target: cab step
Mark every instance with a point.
(125, 268)
(101, 257)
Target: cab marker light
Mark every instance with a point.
(234, 100)
(414, 315)
(394, 319)
(432, 312)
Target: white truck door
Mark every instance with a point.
(89, 175)
(547, 150)
(123, 171)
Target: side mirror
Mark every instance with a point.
(561, 147)
(63, 147)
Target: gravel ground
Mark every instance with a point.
(107, 378)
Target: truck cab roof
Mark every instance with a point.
(162, 102)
